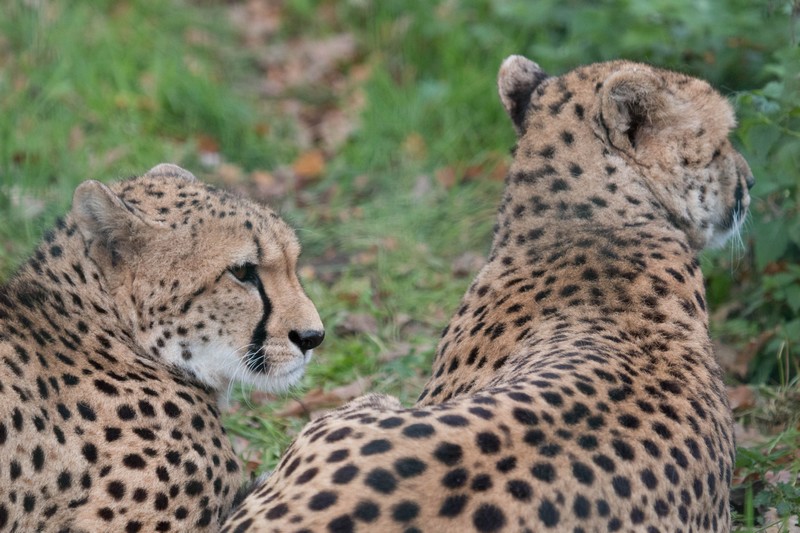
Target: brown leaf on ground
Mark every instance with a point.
(268, 186)
(446, 177)
(258, 20)
(76, 138)
(307, 272)
(499, 171)
(315, 83)
(206, 143)
(735, 361)
(396, 351)
(748, 436)
(230, 174)
(334, 128)
(29, 206)
(306, 62)
(414, 146)
(318, 398)
(356, 324)
(780, 476)
(243, 448)
(309, 167)
(467, 264)
(389, 243)
(776, 267)
(208, 147)
(741, 398)
(790, 524)
(422, 187)
(240, 444)
(257, 397)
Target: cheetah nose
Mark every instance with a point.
(307, 340)
(750, 180)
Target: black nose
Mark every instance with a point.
(307, 340)
(750, 181)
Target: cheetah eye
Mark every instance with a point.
(245, 273)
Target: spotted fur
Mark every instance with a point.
(116, 339)
(575, 389)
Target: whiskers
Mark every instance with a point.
(251, 368)
(236, 359)
(737, 247)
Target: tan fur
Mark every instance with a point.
(575, 388)
(116, 340)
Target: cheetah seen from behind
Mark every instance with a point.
(575, 389)
(116, 339)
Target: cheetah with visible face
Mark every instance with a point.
(575, 389)
(117, 337)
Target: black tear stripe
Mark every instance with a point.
(255, 359)
(736, 211)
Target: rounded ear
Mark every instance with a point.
(516, 81)
(105, 220)
(170, 170)
(633, 105)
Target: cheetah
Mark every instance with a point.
(117, 338)
(575, 389)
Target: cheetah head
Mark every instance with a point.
(202, 279)
(665, 128)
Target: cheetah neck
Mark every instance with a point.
(59, 296)
(579, 290)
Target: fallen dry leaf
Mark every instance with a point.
(500, 171)
(230, 174)
(467, 264)
(741, 398)
(268, 185)
(748, 436)
(318, 398)
(309, 166)
(735, 361)
(29, 206)
(306, 62)
(396, 351)
(446, 177)
(307, 272)
(422, 187)
(781, 476)
(389, 243)
(334, 128)
(258, 20)
(776, 524)
(356, 324)
(206, 143)
(776, 267)
(414, 146)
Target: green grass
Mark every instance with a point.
(108, 89)
(105, 89)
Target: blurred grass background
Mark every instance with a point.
(374, 127)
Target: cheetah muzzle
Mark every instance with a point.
(575, 389)
(117, 338)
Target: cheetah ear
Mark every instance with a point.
(516, 81)
(170, 170)
(633, 105)
(107, 224)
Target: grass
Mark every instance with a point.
(102, 90)
(107, 89)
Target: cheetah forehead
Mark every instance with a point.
(170, 196)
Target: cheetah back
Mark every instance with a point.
(575, 388)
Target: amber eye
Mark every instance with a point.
(245, 273)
